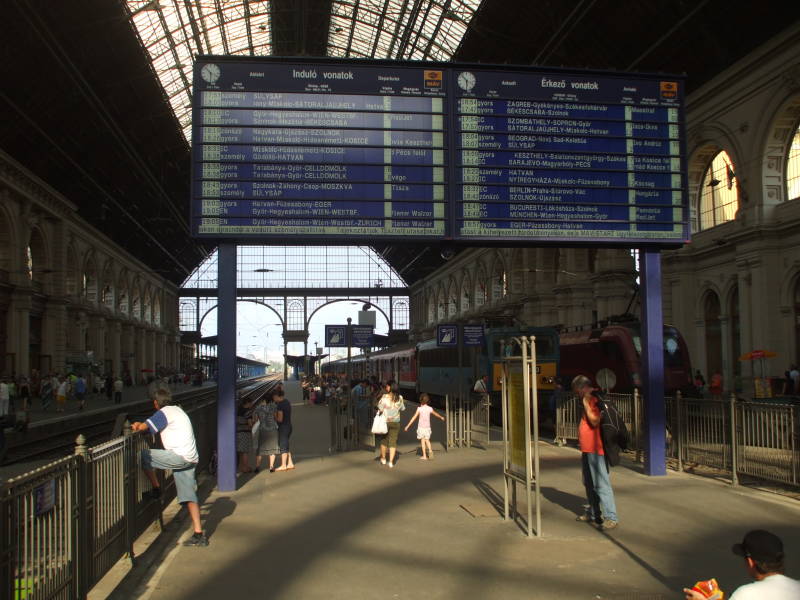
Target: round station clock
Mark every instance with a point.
(210, 73)
(466, 81)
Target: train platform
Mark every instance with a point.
(136, 393)
(342, 527)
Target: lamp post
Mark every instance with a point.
(349, 341)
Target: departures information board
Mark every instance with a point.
(427, 152)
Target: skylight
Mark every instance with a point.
(399, 29)
(173, 32)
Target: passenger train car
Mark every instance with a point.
(611, 357)
(426, 367)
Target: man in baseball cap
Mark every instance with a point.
(763, 555)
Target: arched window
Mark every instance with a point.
(719, 198)
(793, 168)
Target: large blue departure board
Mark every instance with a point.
(338, 150)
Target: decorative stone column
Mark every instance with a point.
(114, 350)
(18, 331)
(54, 334)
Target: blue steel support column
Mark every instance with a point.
(226, 339)
(653, 362)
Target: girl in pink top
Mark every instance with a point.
(424, 413)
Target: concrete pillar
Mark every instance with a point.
(19, 332)
(114, 349)
(727, 361)
(97, 338)
(54, 335)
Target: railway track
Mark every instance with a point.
(54, 440)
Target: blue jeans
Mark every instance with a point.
(598, 487)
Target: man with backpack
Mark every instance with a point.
(602, 509)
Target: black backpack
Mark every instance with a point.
(613, 431)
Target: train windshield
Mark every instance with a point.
(673, 356)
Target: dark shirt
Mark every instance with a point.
(286, 408)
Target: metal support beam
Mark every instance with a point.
(653, 363)
(355, 293)
(226, 383)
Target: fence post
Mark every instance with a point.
(636, 425)
(793, 443)
(82, 544)
(129, 473)
(677, 435)
(734, 441)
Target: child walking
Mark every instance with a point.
(424, 413)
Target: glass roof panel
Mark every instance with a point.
(302, 266)
(173, 32)
(399, 29)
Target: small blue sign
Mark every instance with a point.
(361, 336)
(336, 336)
(447, 335)
(473, 335)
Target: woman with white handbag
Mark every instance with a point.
(389, 407)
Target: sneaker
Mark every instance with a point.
(153, 494)
(584, 518)
(197, 539)
(256, 470)
(609, 524)
(383, 461)
(391, 465)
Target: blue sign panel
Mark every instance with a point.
(361, 336)
(473, 335)
(342, 150)
(336, 336)
(447, 335)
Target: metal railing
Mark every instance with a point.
(351, 421)
(63, 526)
(753, 438)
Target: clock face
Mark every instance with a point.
(210, 73)
(466, 81)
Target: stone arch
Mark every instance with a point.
(441, 306)
(214, 307)
(156, 310)
(451, 297)
(777, 143)
(480, 291)
(498, 279)
(714, 140)
(89, 278)
(39, 255)
(517, 276)
(135, 311)
(731, 309)
(147, 305)
(7, 239)
(72, 272)
(108, 286)
(465, 292)
(123, 294)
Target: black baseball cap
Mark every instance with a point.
(760, 545)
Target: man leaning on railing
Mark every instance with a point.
(179, 455)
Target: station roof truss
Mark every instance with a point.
(105, 85)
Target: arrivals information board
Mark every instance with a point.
(428, 152)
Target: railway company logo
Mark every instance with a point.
(447, 335)
(336, 336)
(433, 80)
(669, 89)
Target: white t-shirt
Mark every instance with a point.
(774, 587)
(176, 432)
(118, 385)
(4, 395)
(63, 388)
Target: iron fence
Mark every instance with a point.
(63, 526)
(753, 438)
